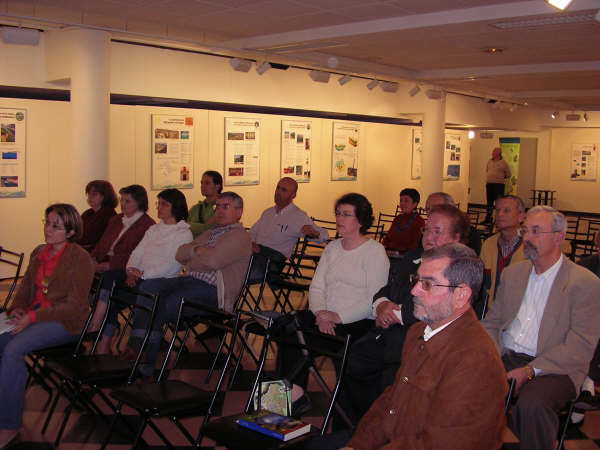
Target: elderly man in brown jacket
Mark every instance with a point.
(449, 391)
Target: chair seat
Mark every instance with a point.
(94, 370)
(171, 397)
(225, 431)
(291, 285)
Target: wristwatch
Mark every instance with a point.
(530, 372)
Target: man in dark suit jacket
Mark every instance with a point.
(375, 358)
(544, 322)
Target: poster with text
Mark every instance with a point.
(172, 152)
(242, 151)
(344, 153)
(296, 141)
(584, 160)
(416, 168)
(452, 156)
(13, 131)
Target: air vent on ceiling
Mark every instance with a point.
(545, 21)
(573, 117)
(486, 135)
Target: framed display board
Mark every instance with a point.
(242, 151)
(584, 162)
(172, 152)
(13, 148)
(416, 168)
(296, 141)
(452, 156)
(344, 151)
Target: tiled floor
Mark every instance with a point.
(86, 432)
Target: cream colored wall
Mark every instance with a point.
(573, 195)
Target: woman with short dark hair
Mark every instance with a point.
(102, 200)
(49, 309)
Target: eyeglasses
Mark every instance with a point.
(344, 214)
(54, 226)
(435, 231)
(225, 206)
(426, 285)
(534, 231)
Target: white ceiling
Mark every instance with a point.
(541, 62)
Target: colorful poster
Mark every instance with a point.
(416, 168)
(511, 150)
(242, 151)
(296, 141)
(452, 156)
(344, 152)
(584, 162)
(13, 134)
(172, 152)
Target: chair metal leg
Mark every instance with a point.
(561, 442)
(113, 422)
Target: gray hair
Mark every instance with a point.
(464, 267)
(237, 201)
(520, 205)
(448, 200)
(559, 221)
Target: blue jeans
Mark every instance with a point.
(171, 290)
(13, 372)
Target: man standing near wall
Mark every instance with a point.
(497, 171)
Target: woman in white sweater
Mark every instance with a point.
(154, 256)
(350, 272)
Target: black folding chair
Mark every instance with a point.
(15, 262)
(175, 399)
(225, 431)
(83, 377)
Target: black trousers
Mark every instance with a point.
(288, 356)
(493, 191)
(534, 419)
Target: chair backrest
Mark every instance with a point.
(245, 296)
(310, 352)
(328, 225)
(14, 261)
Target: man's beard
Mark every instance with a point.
(530, 251)
(433, 313)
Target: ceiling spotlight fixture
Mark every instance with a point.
(560, 4)
(585, 117)
(389, 86)
(414, 91)
(555, 114)
(345, 79)
(332, 62)
(240, 65)
(372, 84)
(262, 68)
(319, 76)
(471, 134)
(433, 94)
(493, 50)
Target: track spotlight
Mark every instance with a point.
(372, 84)
(433, 94)
(319, 76)
(414, 91)
(345, 79)
(555, 114)
(240, 65)
(560, 4)
(262, 68)
(585, 117)
(389, 86)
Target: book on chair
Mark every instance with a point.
(274, 425)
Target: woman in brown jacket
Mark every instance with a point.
(49, 309)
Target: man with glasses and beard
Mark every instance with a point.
(449, 391)
(544, 322)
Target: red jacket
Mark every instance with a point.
(129, 241)
(404, 233)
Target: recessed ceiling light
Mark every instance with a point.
(493, 50)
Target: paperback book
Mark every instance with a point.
(274, 425)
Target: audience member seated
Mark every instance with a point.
(49, 309)
(544, 322)
(374, 359)
(351, 270)
(405, 231)
(123, 234)
(216, 264)
(450, 390)
(102, 200)
(154, 257)
(275, 233)
(506, 246)
(442, 198)
(202, 214)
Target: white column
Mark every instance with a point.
(90, 99)
(434, 121)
